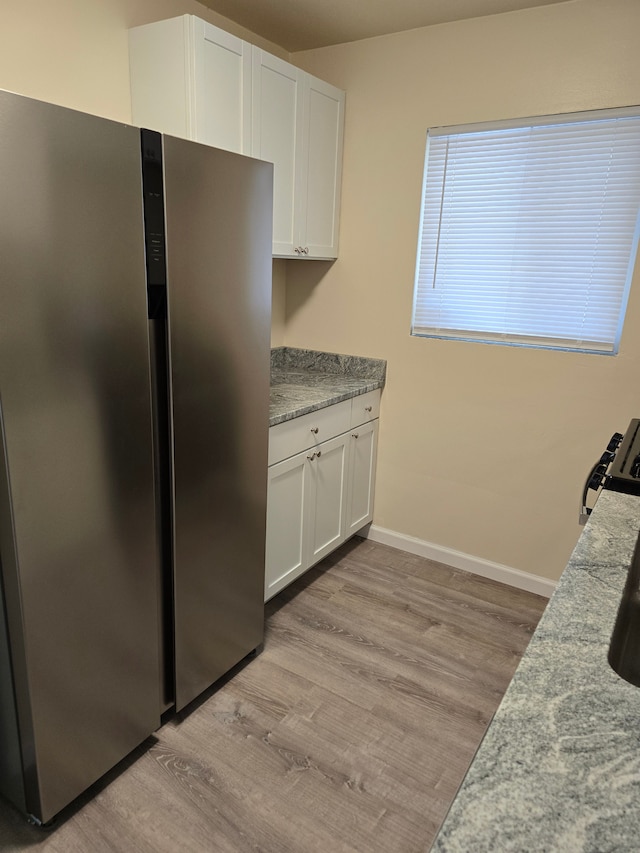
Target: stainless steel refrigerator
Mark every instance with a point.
(135, 300)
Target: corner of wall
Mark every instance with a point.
(278, 302)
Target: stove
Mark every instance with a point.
(623, 474)
(618, 469)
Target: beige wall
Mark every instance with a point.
(75, 52)
(483, 449)
(278, 303)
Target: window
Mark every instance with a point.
(529, 231)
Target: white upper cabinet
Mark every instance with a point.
(191, 79)
(276, 130)
(160, 85)
(222, 87)
(298, 124)
(321, 162)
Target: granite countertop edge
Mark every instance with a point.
(559, 766)
(304, 381)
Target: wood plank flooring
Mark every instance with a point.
(351, 731)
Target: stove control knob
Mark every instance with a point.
(615, 440)
(635, 467)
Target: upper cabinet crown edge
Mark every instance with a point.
(194, 80)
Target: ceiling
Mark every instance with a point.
(304, 24)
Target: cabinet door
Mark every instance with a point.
(221, 103)
(159, 76)
(362, 474)
(326, 510)
(276, 129)
(287, 500)
(319, 200)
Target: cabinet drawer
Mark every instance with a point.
(298, 434)
(365, 407)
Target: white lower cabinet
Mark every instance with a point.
(286, 510)
(319, 497)
(328, 484)
(362, 477)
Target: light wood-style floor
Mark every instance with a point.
(351, 731)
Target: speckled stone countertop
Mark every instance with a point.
(559, 766)
(304, 380)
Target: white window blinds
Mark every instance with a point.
(529, 231)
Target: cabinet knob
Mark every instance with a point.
(354, 435)
(306, 250)
(319, 454)
(312, 457)
(368, 408)
(314, 430)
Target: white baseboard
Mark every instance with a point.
(459, 560)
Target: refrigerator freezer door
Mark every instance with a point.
(77, 540)
(218, 214)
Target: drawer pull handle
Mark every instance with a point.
(314, 430)
(368, 408)
(354, 435)
(312, 457)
